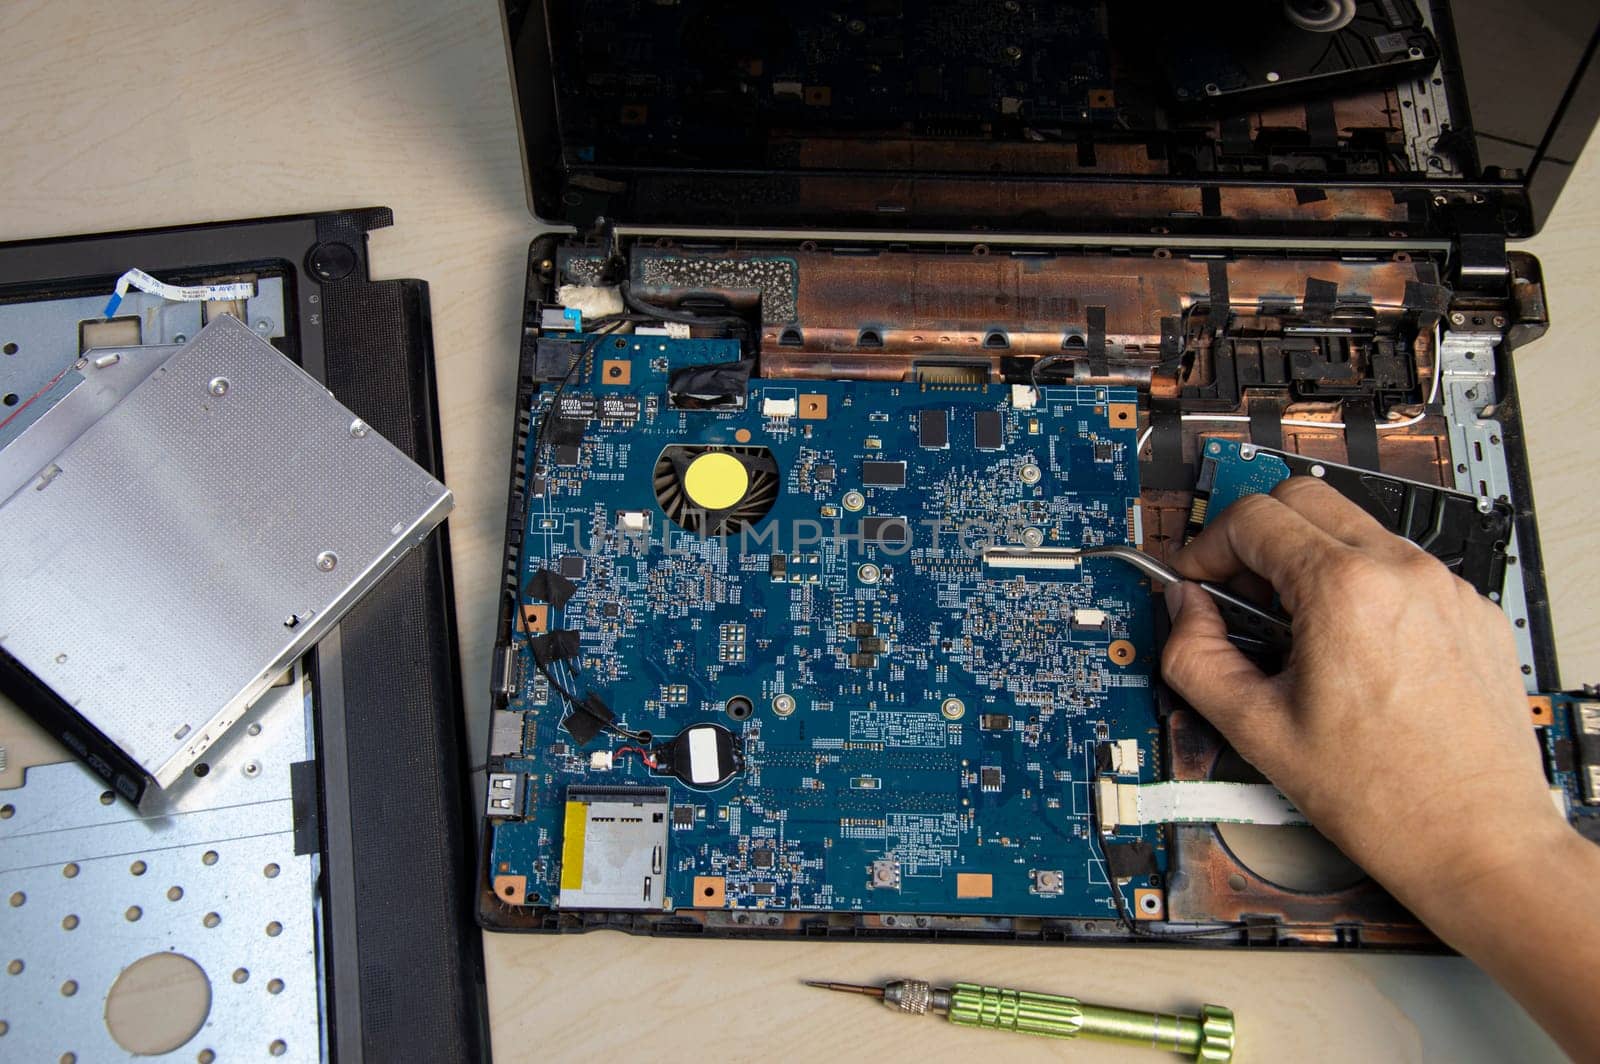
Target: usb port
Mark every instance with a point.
(504, 797)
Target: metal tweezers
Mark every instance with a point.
(1250, 627)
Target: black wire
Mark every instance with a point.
(1133, 926)
(609, 325)
(1047, 360)
(688, 317)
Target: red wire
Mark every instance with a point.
(53, 382)
(644, 755)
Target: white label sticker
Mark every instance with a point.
(703, 766)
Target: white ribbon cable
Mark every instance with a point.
(177, 293)
(1192, 802)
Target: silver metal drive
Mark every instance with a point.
(179, 554)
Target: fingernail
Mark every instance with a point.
(1174, 598)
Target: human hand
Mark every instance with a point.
(1399, 724)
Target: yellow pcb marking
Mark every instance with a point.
(572, 846)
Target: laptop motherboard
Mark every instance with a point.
(814, 652)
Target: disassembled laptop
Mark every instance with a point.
(882, 333)
(797, 634)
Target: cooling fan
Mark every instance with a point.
(716, 491)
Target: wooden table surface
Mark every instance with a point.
(118, 115)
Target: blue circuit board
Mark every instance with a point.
(1569, 733)
(939, 764)
(1230, 470)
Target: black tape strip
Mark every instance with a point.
(1096, 341)
(1304, 197)
(303, 807)
(1426, 298)
(587, 718)
(719, 384)
(1236, 135)
(558, 645)
(1221, 308)
(1211, 202)
(1124, 860)
(1165, 470)
(1361, 434)
(1171, 339)
(1321, 126)
(565, 431)
(1266, 422)
(551, 587)
(1320, 298)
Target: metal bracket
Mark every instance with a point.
(89, 885)
(1467, 361)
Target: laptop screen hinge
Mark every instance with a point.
(1481, 265)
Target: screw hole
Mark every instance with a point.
(202, 770)
(9, 349)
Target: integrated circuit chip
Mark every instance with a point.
(988, 431)
(875, 474)
(933, 429)
(885, 531)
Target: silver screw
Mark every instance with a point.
(218, 386)
(953, 709)
(1273, 75)
(358, 429)
(1458, 318)
(327, 560)
(869, 573)
(252, 769)
(1030, 474)
(783, 705)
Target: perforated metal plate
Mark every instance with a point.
(208, 870)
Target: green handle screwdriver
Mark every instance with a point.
(1208, 1036)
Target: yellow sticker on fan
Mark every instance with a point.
(716, 481)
